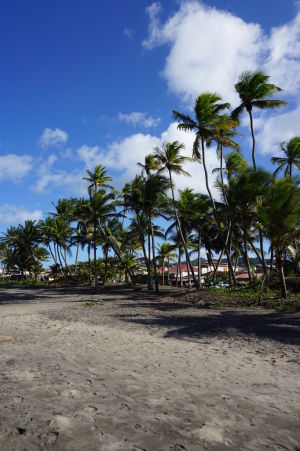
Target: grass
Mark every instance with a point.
(245, 297)
(93, 303)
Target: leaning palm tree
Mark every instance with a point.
(171, 160)
(253, 89)
(208, 108)
(291, 150)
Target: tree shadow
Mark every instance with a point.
(282, 327)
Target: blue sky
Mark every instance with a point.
(86, 82)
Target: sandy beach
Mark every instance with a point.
(140, 372)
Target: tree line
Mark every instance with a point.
(255, 208)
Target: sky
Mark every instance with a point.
(88, 82)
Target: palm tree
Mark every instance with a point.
(244, 194)
(97, 178)
(225, 131)
(279, 213)
(165, 252)
(253, 89)
(100, 207)
(150, 164)
(207, 116)
(155, 203)
(291, 159)
(171, 160)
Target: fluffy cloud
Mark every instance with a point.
(53, 138)
(59, 178)
(137, 118)
(122, 156)
(14, 167)
(209, 48)
(17, 214)
(275, 129)
(90, 155)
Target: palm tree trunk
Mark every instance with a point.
(177, 269)
(261, 243)
(61, 265)
(89, 260)
(271, 261)
(54, 257)
(253, 140)
(180, 271)
(215, 213)
(153, 255)
(179, 230)
(168, 279)
(115, 248)
(147, 259)
(163, 271)
(95, 259)
(199, 260)
(76, 258)
(247, 256)
(217, 266)
(221, 174)
(279, 261)
(105, 266)
(188, 271)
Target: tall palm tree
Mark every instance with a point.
(171, 160)
(155, 203)
(291, 150)
(208, 108)
(100, 207)
(225, 131)
(253, 89)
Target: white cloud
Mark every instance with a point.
(58, 178)
(275, 129)
(122, 158)
(209, 48)
(53, 138)
(17, 214)
(90, 155)
(283, 62)
(137, 118)
(14, 167)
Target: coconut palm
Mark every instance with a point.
(97, 178)
(165, 252)
(171, 160)
(100, 207)
(150, 164)
(291, 150)
(279, 213)
(225, 131)
(253, 89)
(155, 203)
(208, 108)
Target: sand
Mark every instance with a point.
(142, 373)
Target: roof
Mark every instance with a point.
(184, 268)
